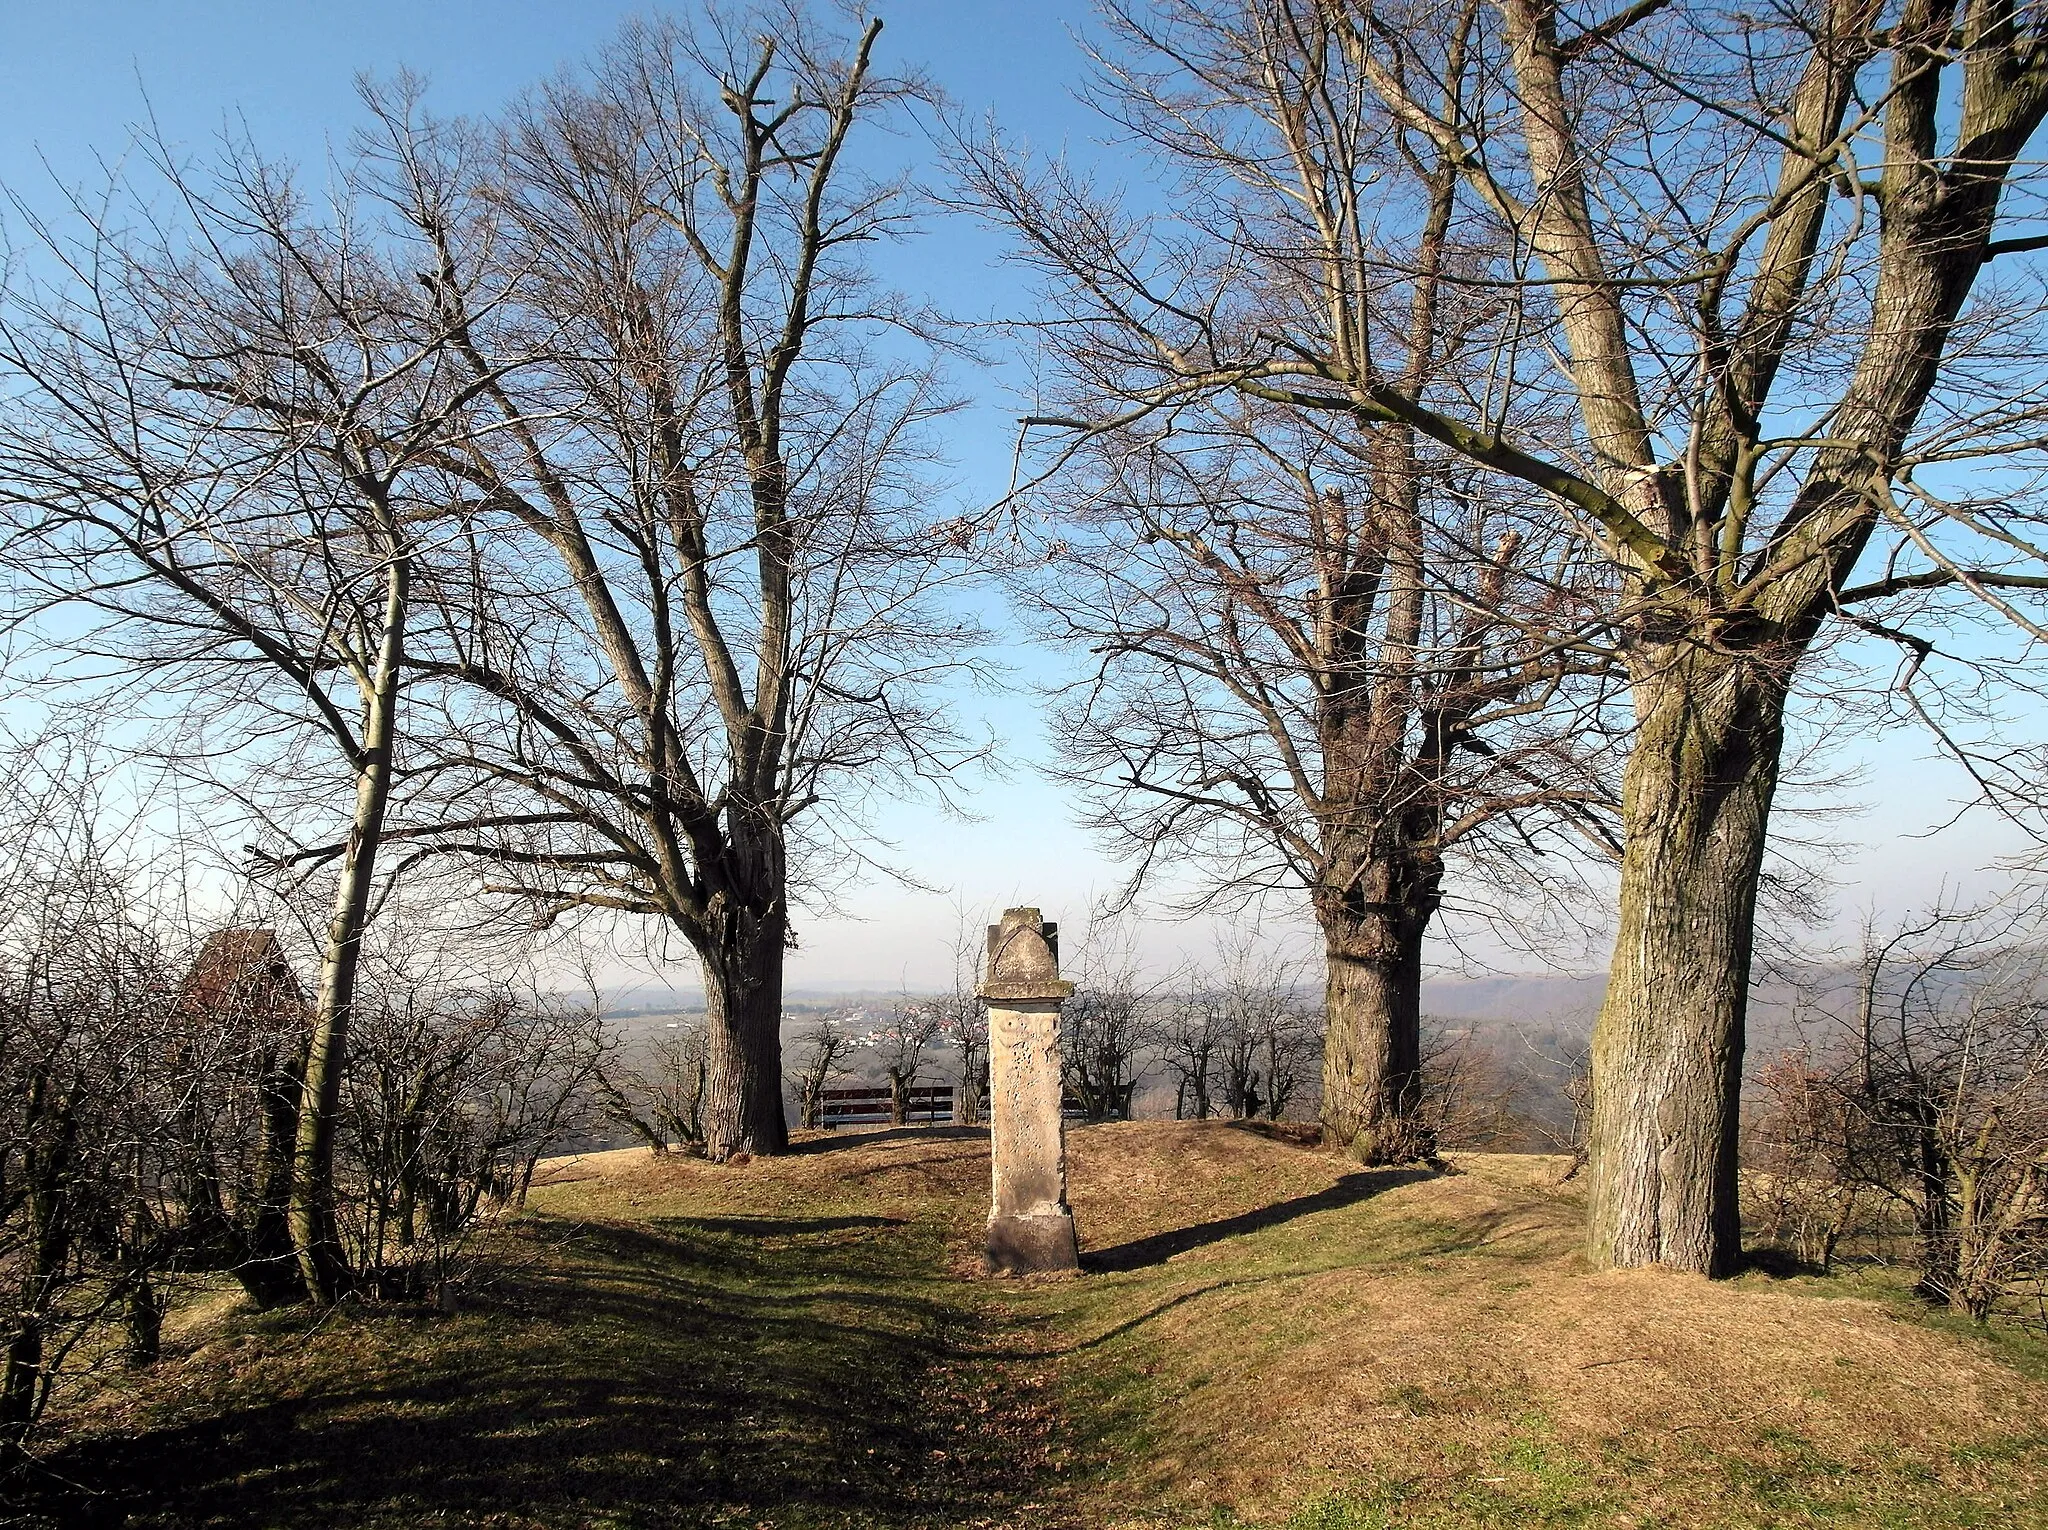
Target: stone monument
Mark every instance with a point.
(1030, 1229)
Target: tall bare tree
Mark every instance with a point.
(1327, 656)
(716, 568)
(1747, 258)
(225, 406)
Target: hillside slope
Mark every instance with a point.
(1266, 1333)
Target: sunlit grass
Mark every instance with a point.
(1266, 1335)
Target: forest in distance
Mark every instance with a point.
(1484, 460)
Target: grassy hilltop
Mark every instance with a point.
(1267, 1335)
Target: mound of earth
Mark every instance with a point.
(1264, 1333)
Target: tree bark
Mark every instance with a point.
(21, 1374)
(743, 1027)
(268, 1266)
(1667, 1050)
(143, 1318)
(1372, 1047)
(46, 1175)
(315, 1237)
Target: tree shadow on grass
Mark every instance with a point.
(781, 1227)
(1160, 1247)
(863, 1137)
(686, 1374)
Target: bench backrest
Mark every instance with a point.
(868, 1103)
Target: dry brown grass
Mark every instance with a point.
(1441, 1343)
(1267, 1333)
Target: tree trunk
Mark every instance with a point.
(1929, 1170)
(811, 1107)
(51, 1143)
(21, 1375)
(1373, 926)
(1667, 1050)
(268, 1268)
(143, 1318)
(743, 1029)
(315, 1238)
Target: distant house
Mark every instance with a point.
(245, 972)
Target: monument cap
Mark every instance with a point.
(1023, 959)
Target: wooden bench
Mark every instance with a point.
(869, 1104)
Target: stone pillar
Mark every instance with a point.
(1030, 1229)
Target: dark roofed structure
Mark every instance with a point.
(243, 970)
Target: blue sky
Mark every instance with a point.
(74, 74)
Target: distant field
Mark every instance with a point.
(1266, 1335)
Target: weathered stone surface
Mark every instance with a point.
(1030, 1229)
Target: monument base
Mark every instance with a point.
(1033, 1245)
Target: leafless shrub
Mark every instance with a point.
(1924, 1092)
(1471, 1097)
(660, 1097)
(452, 1095)
(1813, 1155)
(92, 1081)
(821, 1060)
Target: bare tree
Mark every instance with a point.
(821, 1061)
(715, 564)
(1327, 656)
(1107, 1026)
(1291, 1052)
(965, 1026)
(899, 1042)
(1188, 1039)
(1248, 1015)
(1923, 1085)
(660, 1096)
(1745, 258)
(963, 1018)
(224, 416)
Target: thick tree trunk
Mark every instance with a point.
(315, 1237)
(743, 1026)
(1667, 1051)
(1372, 1047)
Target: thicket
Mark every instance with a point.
(1911, 1123)
(149, 1092)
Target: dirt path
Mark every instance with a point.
(657, 1344)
